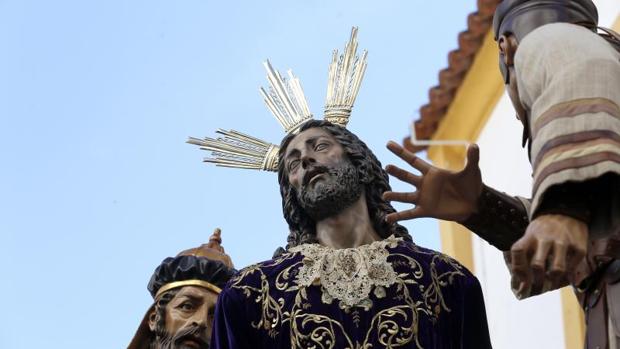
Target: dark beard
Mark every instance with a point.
(165, 340)
(329, 196)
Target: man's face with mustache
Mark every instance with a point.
(188, 320)
(325, 180)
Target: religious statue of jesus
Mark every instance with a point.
(348, 278)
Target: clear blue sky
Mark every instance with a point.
(97, 99)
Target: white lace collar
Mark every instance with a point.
(350, 274)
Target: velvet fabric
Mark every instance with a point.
(434, 303)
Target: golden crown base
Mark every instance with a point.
(338, 115)
(271, 159)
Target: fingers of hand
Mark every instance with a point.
(524, 289)
(409, 157)
(521, 286)
(411, 198)
(576, 245)
(553, 253)
(518, 256)
(473, 156)
(573, 258)
(404, 215)
(403, 175)
(539, 265)
(558, 266)
(541, 253)
(576, 252)
(520, 267)
(515, 283)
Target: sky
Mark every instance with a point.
(97, 99)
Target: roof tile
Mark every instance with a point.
(450, 78)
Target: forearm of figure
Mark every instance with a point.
(500, 219)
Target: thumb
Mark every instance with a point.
(473, 157)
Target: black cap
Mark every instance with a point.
(183, 268)
(520, 17)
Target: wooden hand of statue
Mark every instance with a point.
(546, 256)
(441, 194)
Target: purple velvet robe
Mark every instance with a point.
(436, 303)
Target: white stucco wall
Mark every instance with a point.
(608, 11)
(531, 323)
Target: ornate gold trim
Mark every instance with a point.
(194, 282)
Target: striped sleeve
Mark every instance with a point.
(569, 78)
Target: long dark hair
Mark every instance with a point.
(160, 318)
(374, 179)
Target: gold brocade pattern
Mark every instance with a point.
(418, 293)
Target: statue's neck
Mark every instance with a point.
(350, 228)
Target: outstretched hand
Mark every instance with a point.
(440, 193)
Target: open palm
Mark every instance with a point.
(440, 193)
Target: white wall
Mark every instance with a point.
(531, 323)
(608, 11)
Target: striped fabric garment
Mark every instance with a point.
(569, 78)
